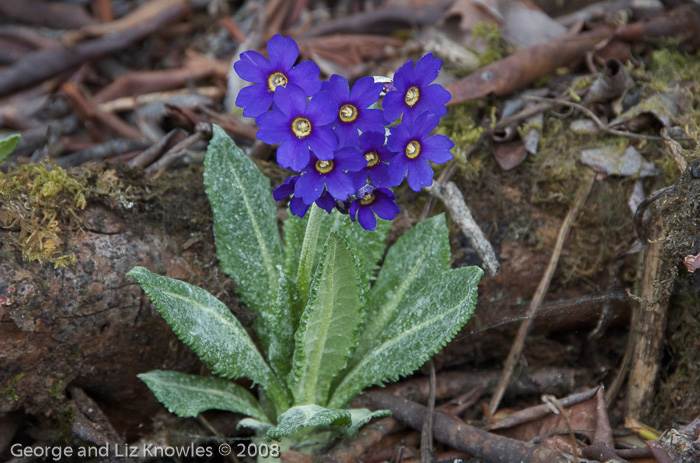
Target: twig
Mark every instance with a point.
(366, 438)
(101, 152)
(601, 452)
(591, 115)
(516, 349)
(454, 202)
(148, 156)
(40, 65)
(540, 411)
(215, 432)
(558, 381)
(426, 438)
(676, 150)
(558, 408)
(489, 447)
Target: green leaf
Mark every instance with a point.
(275, 328)
(328, 328)
(245, 221)
(360, 417)
(420, 329)
(308, 416)
(417, 257)
(206, 325)
(189, 395)
(7, 146)
(367, 246)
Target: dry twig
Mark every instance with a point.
(516, 349)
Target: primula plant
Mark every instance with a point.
(330, 323)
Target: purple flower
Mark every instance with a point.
(414, 93)
(296, 205)
(267, 76)
(414, 148)
(353, 112)
(369, 202)
(376, 155)
(299, 127)
(320, 175)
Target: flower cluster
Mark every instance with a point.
(336, 140)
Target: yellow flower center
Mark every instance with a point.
(301, 127)
(323, 167)
(412, 96)
(275, 80)
(367, 199)
(347, 113)
(372, 158)
(412, 149)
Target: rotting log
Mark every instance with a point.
(87, 324)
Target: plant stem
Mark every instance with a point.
(308, 250)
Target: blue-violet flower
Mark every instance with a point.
(267, 76)
(299, 127)
(414, 93)
(370, 201)
(376, 155)
(414, 148)
(296, 205)
(320, 175)
(353, 113)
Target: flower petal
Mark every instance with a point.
(298, 207)
(285, 189)
(365, 92)
(322, 109)
(326, 202)
(309, 187)
(274, 127)
(322, 142)
(437, 149)
(339, 184)
(384, 207)
(372, 140)
(403, 77)
(379, 175)
(370, 120)
(252, 67)
(393, 105)
(398, 138)
(397, 169)
(427, 69)
(290, 100)
(423, 125)
(350, 158)
(353, 209)
(254, 99)
(419, 174)
(366, 218)
(305, 76)
(283, 52)
(293, 154)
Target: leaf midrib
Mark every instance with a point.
(267, 259)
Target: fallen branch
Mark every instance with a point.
(483, 445)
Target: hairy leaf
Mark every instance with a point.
(421, 328)
(189, 395)
(327, 331)
(308, 416)
(360, 417)
(417, 257)
(367, 246)
(276, 328)
(245, 221)
(7, 146)
(205, 324)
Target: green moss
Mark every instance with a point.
(494, 45)
(33, 197)
(56, 390)
(10, 393)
